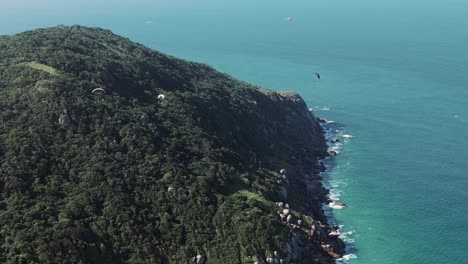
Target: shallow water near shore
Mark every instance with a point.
(394, 73)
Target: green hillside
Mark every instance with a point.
(111, 152)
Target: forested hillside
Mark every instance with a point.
(111, 152)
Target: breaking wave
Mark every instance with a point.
(336, 139)
(347, 257)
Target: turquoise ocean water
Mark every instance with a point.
(394, 73)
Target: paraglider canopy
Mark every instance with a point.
(98, 91)
(317, 74)
(161, 97)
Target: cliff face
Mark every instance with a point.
(112, 152)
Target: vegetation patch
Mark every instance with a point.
(42, 67)
(42, 86)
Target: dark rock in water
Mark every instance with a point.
(331, 250)
(321, 167)
(323, 121)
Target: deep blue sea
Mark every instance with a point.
(394, 74)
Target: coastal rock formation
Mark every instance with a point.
(199, 259)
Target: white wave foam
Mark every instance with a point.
(345, 234)
(336, 148)
(337, 205)
(335, 184)
(332, 134)
(334, 195)
(322, 108)
(348, 257)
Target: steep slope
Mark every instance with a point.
(112, 152)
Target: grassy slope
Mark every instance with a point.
(42, 67)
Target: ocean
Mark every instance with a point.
(394, 74)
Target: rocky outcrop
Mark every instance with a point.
(310, 240)
(64, 119)
(199, 259)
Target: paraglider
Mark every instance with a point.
(289, 19)
(317, 74)
(161, 97)
(98, 91)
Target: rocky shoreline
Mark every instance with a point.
(313, 239)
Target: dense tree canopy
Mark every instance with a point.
(121, 176)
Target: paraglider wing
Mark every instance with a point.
(98, 90)
(317, 74)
